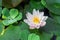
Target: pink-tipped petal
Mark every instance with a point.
(31, 27)
(38, 27)
(43, 24)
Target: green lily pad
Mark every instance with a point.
(33, 37)
(51, 27)
(34, 5)
(45, 36)
(14, 32)
(52, 5)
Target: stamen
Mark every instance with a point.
(36, 20)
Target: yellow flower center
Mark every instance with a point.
(36, 20)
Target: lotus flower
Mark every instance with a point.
(35, 20)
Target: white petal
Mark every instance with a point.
(44, 18)
(26, 21)
(43, 24)
(38, 11)
(32, 26)
(41, 15)
(38, 25)
(29, 16)
(34, 12)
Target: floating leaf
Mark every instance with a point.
(52, 27)
(33, 37)
(11, 21)
(15, 33)
(52, 5)
(56, 18)
(45, 36)
(24, 31)
(13, 13)
(5, 13)
(23, 26)
(34, 5)
(11, 33)
(24, 34)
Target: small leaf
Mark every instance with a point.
(8, 22)
(5, 12)
(11, 21)
(19, 17)
(33, 37)
(13, 13)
